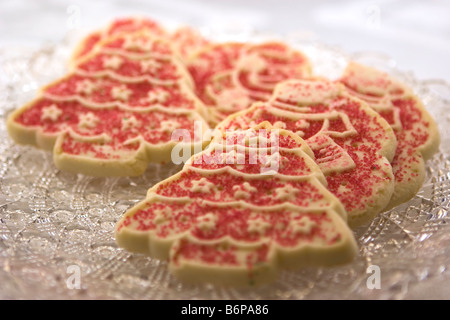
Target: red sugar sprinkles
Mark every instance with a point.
(293, 164)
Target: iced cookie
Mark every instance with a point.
(250, 204)
(352, 144)
(114, 113)
(135, 57)
(416, 131)
(116, 27)
(229, 77)
(185, 40)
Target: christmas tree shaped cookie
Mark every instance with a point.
(352, 144)
(116, 27)
(116, 110)
(416, 131)
(185, 40)
(229, 77)
(252, 203)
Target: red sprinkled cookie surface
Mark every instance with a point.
(351, 143)
(416, 131)
(118, 26)
(184, 40)
(116, 111)
(226, 219)
(229, 77)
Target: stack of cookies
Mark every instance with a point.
(279, 165)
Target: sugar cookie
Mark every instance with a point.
(116, 111)
(239, 212)
(229, 77)
(352, 144)
(416, 131)
(118, 26)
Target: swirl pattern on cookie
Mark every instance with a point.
(115, 112)
(416, 131)
(229, 77)
(352, 144)
(238, 213)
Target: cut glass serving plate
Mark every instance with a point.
(57, 228)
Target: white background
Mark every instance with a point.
(416, 34)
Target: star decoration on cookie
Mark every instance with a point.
(243, 191)
(150, 65)
(202, 185)
(86, 87)
(88, 120)
(304, 225)
(129, 123)
(51, 113)
(113, 62)
(258, 226)
(286, 193)
(157, 96)
(121, 93)
(207, 222)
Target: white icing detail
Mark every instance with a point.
(207, 222)
(88, 120)
(169, 125)
(286, 193)
(112, 62)
(307, 92)
(202, 185)
(384, 104)
(157, 96)
(121, 93)
(324, 116)
(289, 106)
(51, 112)
(133, 43)
(230, 100)
(235, 172)
(161, 215)
(272, 161)
(258, 226)
(129, 123)
(150, 65)
(259, 141)
(304, 225)
(243, 191)
(349, 129)
(86, 86)
(279, 125)
(330, 156)
(302, 124)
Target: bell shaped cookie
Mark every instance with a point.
(229, 77)
(416, 131)
(352, 144)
